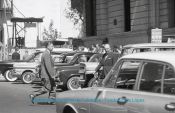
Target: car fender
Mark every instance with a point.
(71, 106)
(66, 74)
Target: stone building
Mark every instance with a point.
(128, 21)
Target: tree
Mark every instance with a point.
(51, 33)
(75, 13)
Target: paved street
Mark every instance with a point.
(14, 98)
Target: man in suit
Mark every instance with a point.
(47, 73)
(108, 60)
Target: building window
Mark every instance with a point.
(171, 12)
(127, 17)
(90, 7)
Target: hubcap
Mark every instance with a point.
(74, 83)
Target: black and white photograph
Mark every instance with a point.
(87, 56)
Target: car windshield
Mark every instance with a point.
(74, 58)
(34, 57)
(95, 58)
(68, 59)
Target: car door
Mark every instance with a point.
(119, 91)
(157, 88)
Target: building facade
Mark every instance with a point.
(128, 21)
(5, 15)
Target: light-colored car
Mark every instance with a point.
(28, 70)
(137, 83)
(146, 47)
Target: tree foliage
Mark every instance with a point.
(75, 11)
(51, 33)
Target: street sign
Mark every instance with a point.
(30, 24)
(156, 35)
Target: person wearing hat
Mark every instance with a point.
(16, 55)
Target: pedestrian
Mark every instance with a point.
(47, 74)
(26, 55)
(16, 55)
(108, 60)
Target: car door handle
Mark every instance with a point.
(170, 107)
(122, 100)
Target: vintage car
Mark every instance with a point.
(68, 73)
(27, 70)
(137, 83)
(87, 69)
(146, 47)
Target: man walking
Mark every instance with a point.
(47, 73)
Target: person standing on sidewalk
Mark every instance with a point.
(47, 74)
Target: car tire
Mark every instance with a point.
(28, 77)
(73, 83)
(92, 82)
(9, 77)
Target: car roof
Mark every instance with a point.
(168, 57)
(144, 45)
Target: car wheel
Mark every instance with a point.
(92, 82)
(9, 77)
(73, 83)
(28, 77)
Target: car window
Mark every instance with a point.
(127, 75)
(83, 58)
(95, 58)
(124, 75)
(139, 50)
(151, 77)
(169, 81)
(68, 59)
(165, 49)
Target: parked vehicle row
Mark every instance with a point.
(138, 83)
(28, 70)
(135, 84)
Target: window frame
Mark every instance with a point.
(118, 66)
(163, 74)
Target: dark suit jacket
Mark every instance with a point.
(47, 65)
(15, 56)
(107, 62)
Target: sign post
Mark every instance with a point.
(156, 35)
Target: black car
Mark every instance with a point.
(68, 72)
